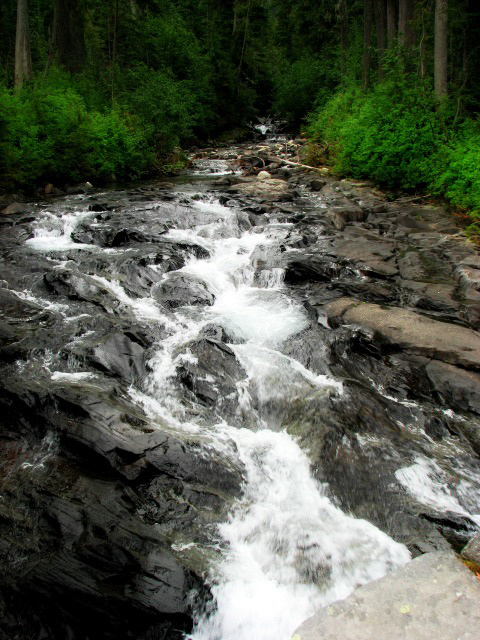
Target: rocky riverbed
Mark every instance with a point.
(229, 399)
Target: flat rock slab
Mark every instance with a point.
(411, 331)
(375, 253)
(432, 295)
(269, 189)
(434, 596)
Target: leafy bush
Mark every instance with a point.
(169, 109)
(390, 134)
(396, 135)
(47, 133)
(458, 168)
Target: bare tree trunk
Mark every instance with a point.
(23, 56)
(392, 22)
(421, 48)
(380, 21)
(67, 38)
(441, 48)
(367, 41)
(344, 37)
(406, 31)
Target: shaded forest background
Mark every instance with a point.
(102, 89)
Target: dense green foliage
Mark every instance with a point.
(117, 86)
(124, 84)
(47, 132)
(396, 131)
(390, 134)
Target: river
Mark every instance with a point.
(210, 359)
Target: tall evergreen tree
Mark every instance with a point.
(441, 48)
(23, 57)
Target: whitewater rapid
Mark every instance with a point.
(286, 548)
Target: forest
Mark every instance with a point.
(239, 368)
(383, 89)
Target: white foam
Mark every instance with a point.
(272, 278)
(72, 377)
(142, 308)
(290, 550)
(54, 233)
(275, 375)
(264, 317)
(433, 486)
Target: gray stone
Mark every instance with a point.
(269, 189)
(425, 266)
(180, 289)
(431, 295)
(472, 550)
(411, 331)
(460, 389)
(435, 595)
(16, 208)
(368, 250)
(317, 185)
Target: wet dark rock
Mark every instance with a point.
(425, 266)
(435, 296)
(456, 529)
(317, 184)
(83, 571)
(98, 207)
(425, 219)
(77, 286)
(212, 374)
(368, 291)
(19, 321)
(179, 289)
(455, 387)
(76, 190)
(369, 251)
(309, 266)
(122, 355)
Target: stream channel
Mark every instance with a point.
(184, 441)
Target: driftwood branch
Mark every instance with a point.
(302, 166)
(405, 200)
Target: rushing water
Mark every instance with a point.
(287, 549)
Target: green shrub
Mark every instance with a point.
(458, 168)
(169, 109)
(390, 134)
(47, 134)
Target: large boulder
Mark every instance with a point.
(121, 354)
(179, 289)
(458, 388)
(16, 208)
(435, 595)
